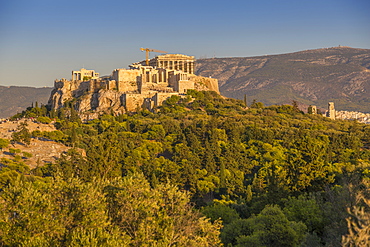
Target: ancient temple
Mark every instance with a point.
(173, 62)
(84, 75)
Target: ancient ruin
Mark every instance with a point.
(331, 110)
(127, 90)
(312, 109)
(173, 62)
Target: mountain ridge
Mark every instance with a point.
(311, 77)
(15, 99)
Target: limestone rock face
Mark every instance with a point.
(64, 91)
(100, 101)
(84, 103)
(109, 100)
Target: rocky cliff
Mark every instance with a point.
(86, 97)
(339, 74)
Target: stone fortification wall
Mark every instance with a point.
(204, 83)
(124, 87)
(153, 99)
(173, 78)
(59, 83)
(125, 75)
(159, 98)
(67, 85)
(132, 102)
(160, 87)
(126, 80)
(183, 86)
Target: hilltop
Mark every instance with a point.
(338, 74)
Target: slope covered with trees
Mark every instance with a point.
(273, 175)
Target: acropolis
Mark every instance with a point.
(127, 90)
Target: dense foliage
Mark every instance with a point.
(273, 175)
(121, 212)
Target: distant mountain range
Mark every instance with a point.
(311, 77)
(16, 99)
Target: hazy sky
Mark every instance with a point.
(44, 40)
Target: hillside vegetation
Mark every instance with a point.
(273, 175)
(312, 77)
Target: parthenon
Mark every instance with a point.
(173, 62)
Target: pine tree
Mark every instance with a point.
(22, 135)
(223, 188)
(249, 193)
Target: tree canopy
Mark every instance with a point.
(265, 172)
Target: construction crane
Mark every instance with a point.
(147, 50)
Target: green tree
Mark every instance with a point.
(57, 213)
(269, 228)
(122, 212)
(44, 120)
(249, 193)
(220, 211)
(359, 220)
(4, 143)
(22, 134)
(27, 217)
(257, 105)
(306, 210)
(158, 216)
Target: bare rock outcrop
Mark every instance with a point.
(109, 100)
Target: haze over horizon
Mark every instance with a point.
(40, 42)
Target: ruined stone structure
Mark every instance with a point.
(84, 75)
(331, 110)
(312, 109)
(173, 62)
(127, 90)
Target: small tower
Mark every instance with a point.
(312, 109)
(331, 110)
